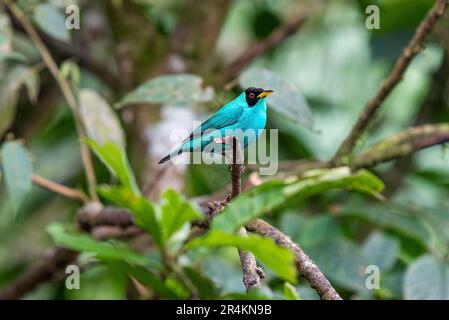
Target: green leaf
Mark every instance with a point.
(14, 77)
(427, 279)
(290, 292)
(8, 104)
(144, 211)
(272, 194)
(11, 55)
(23, 75)
(70, 70)
(381, 250)
(205, 286)
(114, 254)
(6, 36)
(18, 171)
(108, 251)
(174, 89)
(319, 229)
(286, 99)
(280, 260)
(318, 181)
(99, 282)
(388, 217)
(101, 123)
(25, 46)
(145, 277)
(176, 286)
(175, 212)
(254, 294)
(32, 83)
(5, 32)
(293, 224)
(114, 157)
(249, 205)
(342, 262)
(52, 21)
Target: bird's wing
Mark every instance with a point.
(226, 116)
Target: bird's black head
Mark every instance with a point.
(254, 94)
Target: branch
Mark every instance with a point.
(59, 188)
(237, 168)
(252, 274)
(52, 263)
(305, 266)
(259, 49)
(65, 88)
(430, 110)
(403, 144)
(91, 218)
(396, 75)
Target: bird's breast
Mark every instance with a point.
(255, 119)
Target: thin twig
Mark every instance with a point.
(396, 75)
(59, 188)
(65, 88)
(303, 263)
(232, 71)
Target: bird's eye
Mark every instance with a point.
(252, 95)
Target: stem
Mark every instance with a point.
(252, 275)
(66, 90)
(237, 168)
(59, 188)
(414, 47)
(232, 71)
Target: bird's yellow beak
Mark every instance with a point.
(265, 93)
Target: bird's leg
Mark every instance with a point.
(238, 159)
(237, 167)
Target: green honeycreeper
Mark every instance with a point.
(244, 117)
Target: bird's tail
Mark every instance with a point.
(170, 155)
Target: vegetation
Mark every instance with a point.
(357, 209)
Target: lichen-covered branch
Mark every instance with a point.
(414, 47)
(305, 266)
(403, 144)
(252, 274)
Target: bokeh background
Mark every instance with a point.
(334, 62)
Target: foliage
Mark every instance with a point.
(138, 70)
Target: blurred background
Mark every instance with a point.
(331, 58)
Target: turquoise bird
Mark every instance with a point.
(244, 117)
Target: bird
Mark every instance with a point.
(246, 113)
